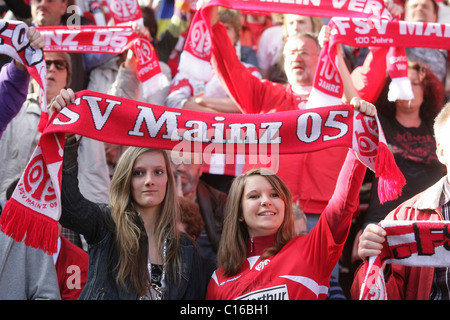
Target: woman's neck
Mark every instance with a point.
(409, 120)
(149, 219)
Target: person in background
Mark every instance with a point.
(191, 221)
(272, 40)
(408, 128)
(187, 169)
(432, 204)
(253, 26)
(71, 263)
(258, 244)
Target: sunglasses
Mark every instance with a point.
(59, 64)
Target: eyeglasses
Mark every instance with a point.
(59, 64)
(305, 55)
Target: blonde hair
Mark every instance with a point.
(131, 238)
(316, 23)
(233, 244)
(233, 17)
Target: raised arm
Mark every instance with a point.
(365, 82)
(345, 199)
(78, 213)
(250, 93)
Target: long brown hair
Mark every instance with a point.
(131, 238)
(233, 244)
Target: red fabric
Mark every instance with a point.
(124, 12)
(128, 122)
(411, 243)
(281, 277)
(15, 44)
(251, 32)
(71, 269)
(365, 76)
(104, 39)
(405, 283)
(198, 43)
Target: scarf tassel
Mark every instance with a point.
(155, 83)
(391, 179)
(40, 231)
(400, 89)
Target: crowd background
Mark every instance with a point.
(258, 41)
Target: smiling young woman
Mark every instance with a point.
(136, 251)
(260, 257)
(262, 207)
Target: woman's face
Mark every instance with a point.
(263, 209)
(297, 24)
(149, 181)
(417, 88)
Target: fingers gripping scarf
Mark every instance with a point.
(409, 243)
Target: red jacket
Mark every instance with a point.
(311, 177)
(410, 283)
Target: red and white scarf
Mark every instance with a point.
(15, 43)
(381, 32)
(328, 87)
(35, 205)
(109, 40)
(409, 243)
(149, 72)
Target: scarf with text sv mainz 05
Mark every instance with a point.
(35, 206)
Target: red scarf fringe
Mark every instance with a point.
(41, 231)
(391, 179)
